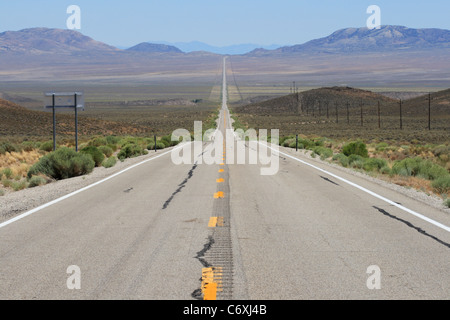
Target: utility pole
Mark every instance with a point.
(348, 116)
(337, 115)
(429, 111)
(362, 120)
(379, 115)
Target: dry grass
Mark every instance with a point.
(19, 162)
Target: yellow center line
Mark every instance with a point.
(220, 180)
(219, 194)
(211, 282)
(221, 170)
(215, 222)
(212, 222)
(209, 287)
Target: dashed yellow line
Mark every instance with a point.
(220, 180)
(219, 194)
(212, 222)
(215, 222)
(211, 282)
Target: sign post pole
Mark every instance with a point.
(64, 100)
(54, 123)
(76, 122)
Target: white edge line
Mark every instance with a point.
(420, 216)
(23, 215)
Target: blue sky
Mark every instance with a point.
(216, 22)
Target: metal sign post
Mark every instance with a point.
(64, 100)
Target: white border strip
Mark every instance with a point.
(23, 215)
(420, 216)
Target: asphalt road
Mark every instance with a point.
(224, 231)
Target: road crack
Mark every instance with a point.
(409, 224)
(180, 186)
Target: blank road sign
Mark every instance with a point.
(64, 99)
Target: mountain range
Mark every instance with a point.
(224, 50)
(351, 56)
(386, 38)
(45, 40)
(349, 40)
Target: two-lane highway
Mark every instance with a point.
(224, 231)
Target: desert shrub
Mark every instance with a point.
(46, 146)
(353, 158)
(7, 183)
(131, 150)
(319, 142)
(112, 140)
(98, 141)
(381, 146)
(282, 139)
(307, 143)
(19, 185)
(2, 193)
(113, 147)
(447, 203)
(342, 159)
(110, 162)
(8, 173)
(62, 164)
(371, 164)
(356, 148)
(159, 145)
(95, 153)
(293, 144)
(323, 152)
(441, 150)
(8, 147)
(358, 163)
(107, 151)
(167, 140)
(442, 184)
(28, 146)
(419, 167)
(385, 170)
(129, 140)
(36, 181)
(288, 142)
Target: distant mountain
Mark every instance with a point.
(45, 40)
(231, 50)
(154, 48)
(358, 40)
